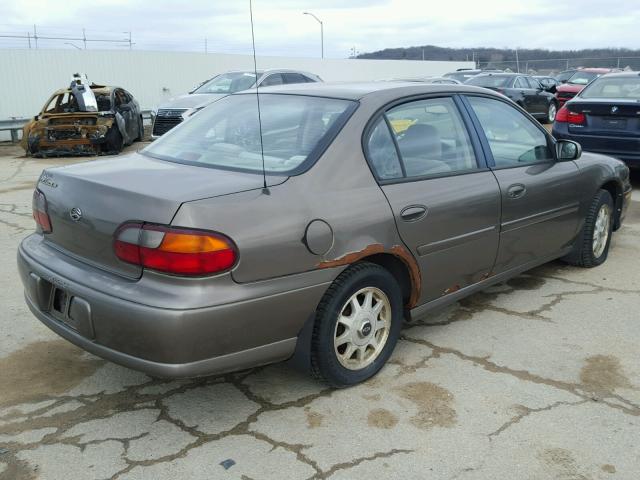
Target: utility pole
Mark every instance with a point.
(84, 38)
(35, 35)
(321, 32)
(517, 61)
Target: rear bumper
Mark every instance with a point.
(258, 326)
(605, 145)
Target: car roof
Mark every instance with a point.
(264, 71)
(358, 90)
(101, 89)
(595, 70)
(502, 74)
(621, 75)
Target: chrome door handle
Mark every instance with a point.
(516, 191)
(413, 213)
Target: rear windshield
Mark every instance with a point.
(582, 78)
(489, 81)
(461, 76)
(228, 83)
(621, 87)
(227, 133)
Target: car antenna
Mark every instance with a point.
(265, 188)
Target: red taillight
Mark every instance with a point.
(40, 215)
(174, 250)
(565, 115)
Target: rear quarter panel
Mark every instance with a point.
(269, 229)
(594, 171)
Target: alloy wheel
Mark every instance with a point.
(362, 328)
(552, 112)
(601, 231)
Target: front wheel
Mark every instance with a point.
(592, 245)
(357, 325)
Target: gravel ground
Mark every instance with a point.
(538, 378)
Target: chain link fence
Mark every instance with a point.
(556, 65)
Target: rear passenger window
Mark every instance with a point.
(431, 137)
(533, 83)
(273, 79)
(382, 153)
(293, 78)
(513, 138)
(521, 83)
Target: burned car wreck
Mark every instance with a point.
(84, 119)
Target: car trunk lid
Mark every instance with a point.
(108, 193)
(607, 117)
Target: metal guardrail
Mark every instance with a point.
(15, 124)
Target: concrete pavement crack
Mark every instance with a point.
(526, 411)
(353, 463)
(576, 389)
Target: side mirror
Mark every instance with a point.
(35, 117)
(551, 89)
(568, 150)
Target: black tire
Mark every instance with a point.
(140, 136)
(114, 143)
(325, 364)
(549, 118)
(583, 254)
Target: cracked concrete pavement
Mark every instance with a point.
(537, 378)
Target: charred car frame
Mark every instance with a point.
(84, 119)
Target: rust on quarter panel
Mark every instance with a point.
(397, 251)
(414, 273)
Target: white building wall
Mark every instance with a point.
(28, 77)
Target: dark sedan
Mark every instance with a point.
(524, 90)
(605, 117)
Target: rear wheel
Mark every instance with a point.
(592, 246)
(113, 141)
(140, 136)
(552, 111)
(357, 325)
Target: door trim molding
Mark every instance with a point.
(453, 241)
(539, 217)
(445, 300)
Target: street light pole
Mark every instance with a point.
(321, 32)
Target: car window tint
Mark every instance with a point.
(533, 83)
(613, 87)
(431, 137)
(227, 133)
(521, 83)
(273, 79)
(513, 138)
(382, 153)
(293, 78)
